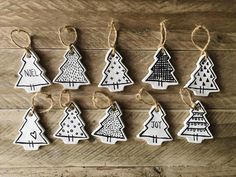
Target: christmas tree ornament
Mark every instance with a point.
(196, 125)
(71, 129)
(110, 129)
(71, 73)
(161, 72)
(31, 75)
(155, 130)
(31, 134)
(203, 78)
(115, 76)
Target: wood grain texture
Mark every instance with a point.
(138, 38)
(134, 152)
(57, 13)
(137, 62)
(210, 171)
(128, 39)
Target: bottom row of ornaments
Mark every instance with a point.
(111, 127)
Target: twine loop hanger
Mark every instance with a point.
(47, 97)
(112, 40)
(102, 101)
(28, 36)
(186, 97)
(195, 30)
(68, 29)
(67, 94)
(144, 96)
(163, 33)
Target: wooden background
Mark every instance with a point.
(138, 39)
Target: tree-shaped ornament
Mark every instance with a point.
(203, 78)
(115, 76)
(72, 73)
(31, 75)
(161, 72)
(31, 135)
(111, 127)
(155, 130)
(71, 129)
(196, 125)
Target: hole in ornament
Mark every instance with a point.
(28, 55)
(71, 52)
(72, 107)
(31, 113)
(113, 107)
(197, 107)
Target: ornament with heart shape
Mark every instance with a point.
(31, 135)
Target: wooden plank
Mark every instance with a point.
(129, 39)
(78, 172)
(134, 152)
(137, 6)
(137, 62)
(86, 14)
(210, 171)
(120, 171)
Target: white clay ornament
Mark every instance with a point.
(155, 130)
(31, 75)
(195, 128)
(111, 127)
(203, 78)
(115, 76)
(71, 129)
(72, 73)
(161, 72)
(31, 135)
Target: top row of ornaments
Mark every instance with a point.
(115, 75)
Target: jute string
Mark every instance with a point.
(187, 98)
(28, 45)
(145, 97)
(67, 28)
(68, 98)
(48, 98)
(101, 101)
(163, 33)
(112, 41)
(202, 49)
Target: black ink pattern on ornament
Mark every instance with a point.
(31, 75)
(31, 135)
(203, 78)
(115, 76)
(72, 73)
(111, 127)
(155, 128)
(161, 72)
(196, 125)
(71, 129)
